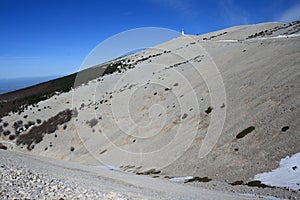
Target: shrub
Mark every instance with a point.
(102, 152)
(245, 132)
(5, 124)
(237, 183)
(198, 179)
(285, 128)
(3, 147)
(184, 116)
(208, 110)
(6, 132)
(92, 122)
(12, 137)
(257, 184)
(36, 134)
(148, 172)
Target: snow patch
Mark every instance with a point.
(181, 179)
(286, 175)
(109, 167)
(287, 36)
(227, 40)
(279, 37)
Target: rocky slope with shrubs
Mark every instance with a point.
(169, 94)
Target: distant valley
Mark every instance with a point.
(12, 84)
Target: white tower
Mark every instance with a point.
(182, 32)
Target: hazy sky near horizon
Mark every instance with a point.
(53, 37)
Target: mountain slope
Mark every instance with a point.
(223, 107)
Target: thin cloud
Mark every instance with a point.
(232, 14)
(291, 14)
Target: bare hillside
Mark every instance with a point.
(222, 106)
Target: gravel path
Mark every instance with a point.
(24, 176)
(20, 183)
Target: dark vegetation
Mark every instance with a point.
(93, 122)
(36, 134)
(148, 172)
(6, 132)
(102, 152)
(245, 132)
(285, 128)
(195, 59)
(17, 126)
(120, 65)
(251, 184)
(19, 100)
(29, 123)
(214, 36)
(198, 179)
(12, 137)
(20, 127)
(208, 110)
(184, 116)
(257, 184)
(277, 28)
(5, 124)
(237, 183)
(3, 147)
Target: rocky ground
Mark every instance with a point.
(25, 177)
(22, 181)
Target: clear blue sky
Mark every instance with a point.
(52, 37)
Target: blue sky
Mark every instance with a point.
(53, 37)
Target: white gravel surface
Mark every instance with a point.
(26, 177)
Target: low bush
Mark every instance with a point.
(93, 122)
(198, 179)
(245, 132)
(3, 147)
(6, 132)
